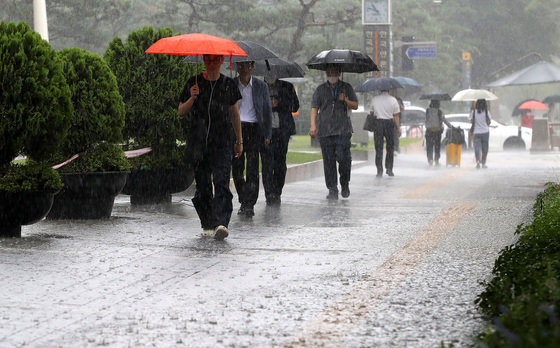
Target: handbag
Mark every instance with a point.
(369, 125)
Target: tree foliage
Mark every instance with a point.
(35, 106)
(98, 106)
(150, 86)
(98, 120)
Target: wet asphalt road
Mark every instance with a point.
(397, 264)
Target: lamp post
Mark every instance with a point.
(40, 18)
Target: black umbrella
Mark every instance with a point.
(551, 99)
(278, 67)
(378, 84)
(255, 52)
(436, 96)
(347, 60)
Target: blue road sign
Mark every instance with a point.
(421, 52)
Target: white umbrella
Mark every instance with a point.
(473, 94)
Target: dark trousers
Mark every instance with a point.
(481, 147)
(384, 133)
(336, 148)
(214, 204)
(433, 144)
(274, 175)
(253, 146)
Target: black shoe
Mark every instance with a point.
(390, 172)
(379, 173)
(345, 192)
(332, 195)
(241, 210)
(249, 212)
(272, 201)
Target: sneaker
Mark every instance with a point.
(478, 166)
(345, 192)
(207, 232)
(484, 166)
(390, 172)
(332, 195)
(221, 232)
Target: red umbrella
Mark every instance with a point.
(532, 105)
(196, 44)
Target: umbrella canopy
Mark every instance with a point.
(541, 72)
(278, 67)
(474, 94)
(436, 96)
(196, 44)
(349, 61)
(517, 111)
(551, 99)
(407, 81)
(378, 84)
(533, 105)
(255, 52)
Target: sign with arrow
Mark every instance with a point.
(421, 52)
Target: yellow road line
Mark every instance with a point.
(332, 326)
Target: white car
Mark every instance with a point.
(502, 137)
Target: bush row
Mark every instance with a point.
(522, 300)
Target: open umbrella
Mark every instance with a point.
(407, 81)
(473, 94)
(551, 99)
(378, 84)
(348, 60)
(517, 111)
(436, 96)
(196, 44)
(278, 67)
(533, 105)
(255, 52)
(541, 72)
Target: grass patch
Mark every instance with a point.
(302, 157)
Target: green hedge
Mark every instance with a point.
(35, 106)
(522, 300)
(99, 115)
(150, 85)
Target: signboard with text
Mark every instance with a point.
(377, 46)
(421, 52)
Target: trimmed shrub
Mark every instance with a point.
(150, 85)
(35, 106)
(98, 115)
(523, 297)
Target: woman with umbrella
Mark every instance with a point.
(481, 119)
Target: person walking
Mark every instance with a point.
(211, 100)
(386, 109)
(284, 101)
(330, 122)
(434, 128)
(481, 119)
(256, 123)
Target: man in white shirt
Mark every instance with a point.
(256, 124)
(386, 109)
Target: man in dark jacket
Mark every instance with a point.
(284, 102)
(256, 124)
